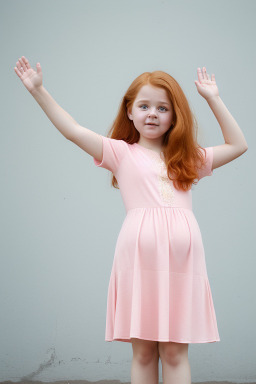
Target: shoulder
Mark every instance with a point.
(113, 152)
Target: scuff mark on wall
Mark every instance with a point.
(42, 366)
(75, 359)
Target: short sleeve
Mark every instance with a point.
(113, 152)
(206, 169)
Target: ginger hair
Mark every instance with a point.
(180, 148)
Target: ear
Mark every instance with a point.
(129, 114)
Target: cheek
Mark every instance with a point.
(140, 116)
(166, 119)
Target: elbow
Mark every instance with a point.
(243, 150)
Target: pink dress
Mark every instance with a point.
(158, 288)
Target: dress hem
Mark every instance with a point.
(128, 339)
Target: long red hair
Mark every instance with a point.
(180, 148)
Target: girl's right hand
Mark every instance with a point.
(30, 78)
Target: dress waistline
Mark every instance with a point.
(158, 207)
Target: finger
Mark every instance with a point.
(38, 68)
(17, 71)
(25, 60)
(23, 64)
(205, 74)
(200, 75)
(213, 77)
(19, 65)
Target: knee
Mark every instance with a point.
(145, 357)
(173, 353)
(145, 353)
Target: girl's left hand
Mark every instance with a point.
(206, 87)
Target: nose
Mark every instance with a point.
(152, 112)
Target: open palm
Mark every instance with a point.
(30, 78)
(206, 87)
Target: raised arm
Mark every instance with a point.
(86, 139)
(235, 143)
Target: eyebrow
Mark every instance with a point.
(160, 102)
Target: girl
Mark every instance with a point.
(159, 297)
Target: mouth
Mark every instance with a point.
(152, 124)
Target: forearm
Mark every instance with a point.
(230, 129)
(60, 118)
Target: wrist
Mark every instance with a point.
(37, 90)
(212, 99)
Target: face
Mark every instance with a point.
(152, 114)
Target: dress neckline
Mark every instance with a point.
(148, 149)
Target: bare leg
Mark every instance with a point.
(175, 363)
(144, 369)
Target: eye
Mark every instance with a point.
(144, 105)
(164, 108)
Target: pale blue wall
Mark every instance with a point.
(59, 216)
